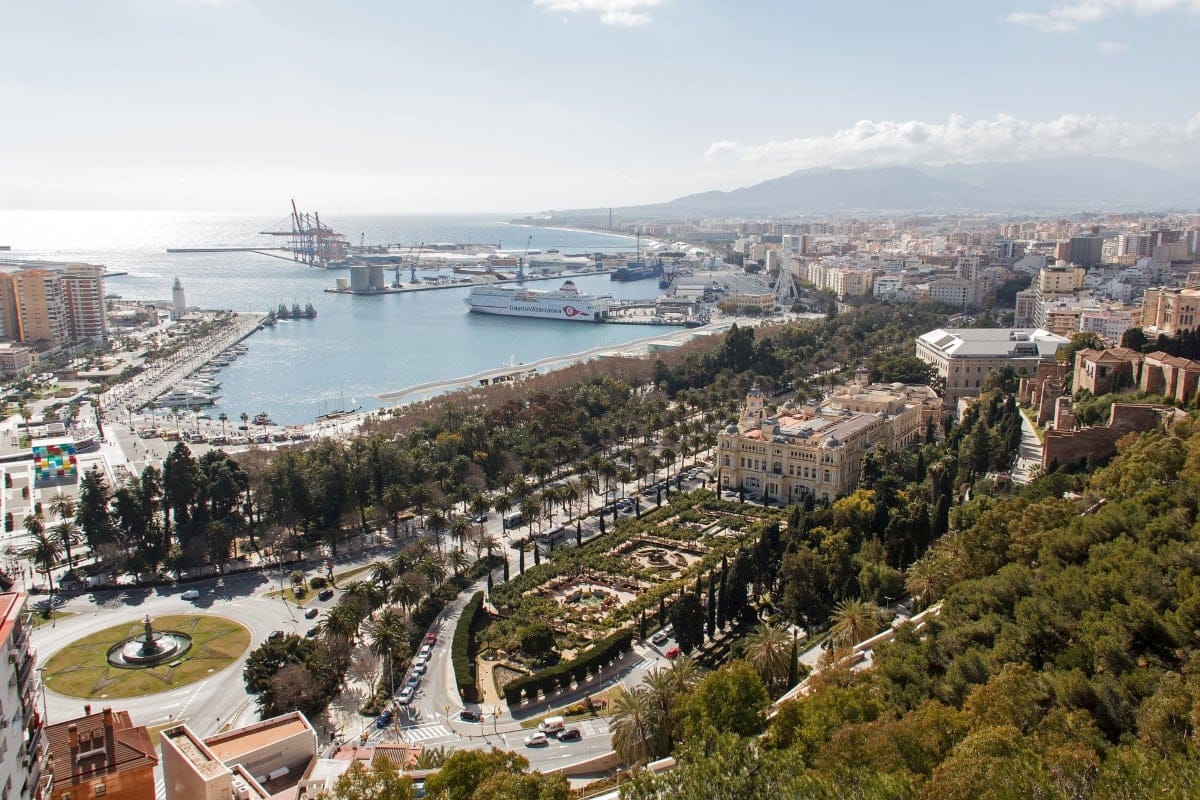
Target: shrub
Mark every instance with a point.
(317, 582)
(461, 646)
(603, 652)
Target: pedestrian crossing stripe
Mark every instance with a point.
(426, 732)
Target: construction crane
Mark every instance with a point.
(412, 268)
(521, 263)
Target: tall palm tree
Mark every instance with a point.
(503, 505)
(64, 533)
(769, 649)
(383, 573)
(686, 674)
(62, 505)
(386, 636)
(663, 697)
(853, 621)
(342, 622)
(407, 591)
(44, 552)
(632, 725)
(224, 418)
(459, 529)
(458, 561)
(587, 485)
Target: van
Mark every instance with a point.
(551, 725)
(512, 520)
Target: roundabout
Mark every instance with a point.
(134, 659)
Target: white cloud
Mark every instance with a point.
(1070, 16)
(1005, 138)
(611, 12)
(1112, 48)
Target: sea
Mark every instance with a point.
(358, 347)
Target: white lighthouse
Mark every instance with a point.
(178, 301)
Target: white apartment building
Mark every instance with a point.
(22, 739)
(1109, 324)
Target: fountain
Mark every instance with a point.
(149, 648)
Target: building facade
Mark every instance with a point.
(22, 739)
(816, 450)
(1169, 311)
(52, 305)
(964, 357)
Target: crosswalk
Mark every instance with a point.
(160, 788)
(426, 732)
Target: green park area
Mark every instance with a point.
(81, 669)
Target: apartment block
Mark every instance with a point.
(51, 304)
(22, 736)
(1170, 311)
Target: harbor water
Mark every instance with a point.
(358, 346)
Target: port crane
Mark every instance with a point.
(412, 265)
(521, 263)
(310, 241)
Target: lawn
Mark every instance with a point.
(81, 669)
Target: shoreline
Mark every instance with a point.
(633, 236)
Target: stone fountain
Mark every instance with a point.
(149, 648)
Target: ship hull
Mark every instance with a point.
(576, 314)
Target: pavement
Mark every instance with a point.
(1029, 454)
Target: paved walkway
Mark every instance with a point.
(1029, 454)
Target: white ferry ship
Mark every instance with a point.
(565, 303)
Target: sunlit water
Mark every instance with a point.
(357, 347)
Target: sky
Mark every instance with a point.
(532, 105)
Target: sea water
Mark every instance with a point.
(358, 346)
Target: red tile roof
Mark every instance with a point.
(129, 747)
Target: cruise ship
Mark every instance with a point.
(564, 303)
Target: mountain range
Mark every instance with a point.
(1048, 185)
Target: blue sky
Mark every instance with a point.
(524, 105)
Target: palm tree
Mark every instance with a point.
(63, 505)
(632, 725)
(769, 649)
(853, 621)
(458, 561)
(407, 591)
(341, 622)
(383, 573)
(503, 505)
(224, 418)
(43, 552)
(663, 697)
(64, 533)
(386, 635)
(459, 529)
(686, 673)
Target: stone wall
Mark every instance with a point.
(1062, 448)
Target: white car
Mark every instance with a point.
(536, 740)
(406, 695)
(190, 594)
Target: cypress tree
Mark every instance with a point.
(521, 562)
(489, 580)
(506, 569)
(723, 603)
(578, 533)
(662, 611)
(537, 555)
(794, 666)
(711, 621)
(642, 628)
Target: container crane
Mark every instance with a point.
(521, 263)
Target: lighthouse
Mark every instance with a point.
(178, 301)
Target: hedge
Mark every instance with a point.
(592, 660)
(460, 648)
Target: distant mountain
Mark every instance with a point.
(1051, 185)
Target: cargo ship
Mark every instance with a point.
(637, 271)
(565, 303)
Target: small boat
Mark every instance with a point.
(262, 418)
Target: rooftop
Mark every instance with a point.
(236, 743)
(84, 747)
(993, 342)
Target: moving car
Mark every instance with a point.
(571, 734)
(325, 594)
(538, 739)
(431, 638)
(467, 715)
(406, 695)
(190, 594)
(551, 725)
(312, 613)
(275, 636)
(312, 632)
(383, 720)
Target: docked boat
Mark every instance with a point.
(566, 303)
(185, 398)
(637, 271)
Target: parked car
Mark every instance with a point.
(467, 715)
(426, 649)
(571, 734)
(312, 613)
(383, 720)
(325, 594)
(538, 739)
(190, 594)
(431, 638)
(412, 681)
(673, 652)
(660, 638)
(406, 695)
(420, 667)
(479, 519)
(311, 633)
(275, 636)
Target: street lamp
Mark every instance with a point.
(496, 720)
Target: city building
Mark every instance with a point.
(264, 757)
(1109, 324)
(101, 755)
(813, 450)
(1085, 250)
(22, 736)
(1169, 311)
(964, 357)
(1104, 371)
(50, 304)
(15, 359)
